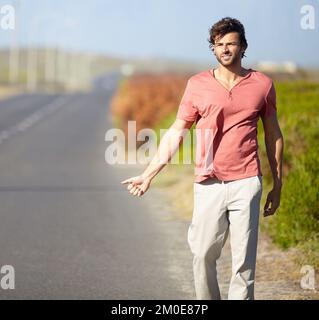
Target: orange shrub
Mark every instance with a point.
(148, 98)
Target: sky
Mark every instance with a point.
(175, 29)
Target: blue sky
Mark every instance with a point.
(165, 28)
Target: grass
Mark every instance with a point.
(297, 222)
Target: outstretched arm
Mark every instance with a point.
(169, 144)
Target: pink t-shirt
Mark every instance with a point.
(226, 123)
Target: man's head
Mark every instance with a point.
(227, 40)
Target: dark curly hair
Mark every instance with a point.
(224, 26)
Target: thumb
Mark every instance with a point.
(127, 181)
(267, 204)
(130, 180)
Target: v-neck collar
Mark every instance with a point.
(212, 75)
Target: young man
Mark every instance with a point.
(226, 103)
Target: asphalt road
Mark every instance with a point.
(67, 225)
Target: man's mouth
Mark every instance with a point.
(226, 56)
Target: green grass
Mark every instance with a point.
(297, 222)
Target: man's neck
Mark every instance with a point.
(230, 73)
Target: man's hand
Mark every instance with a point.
(169, 144)
(273, 198)
(138, 185)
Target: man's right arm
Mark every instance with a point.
(169, 144)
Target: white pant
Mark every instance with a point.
(219, 207)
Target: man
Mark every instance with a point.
(226, 102)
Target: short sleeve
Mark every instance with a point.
(186, 110)
(269, 108)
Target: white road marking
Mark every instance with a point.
(36, 116)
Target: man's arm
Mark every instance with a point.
(169, 144)
(274, 146)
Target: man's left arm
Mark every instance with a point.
(274, 146)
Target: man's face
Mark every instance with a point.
(227, 49)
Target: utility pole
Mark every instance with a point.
(14, 49)
(49, 68)
(32, 76)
